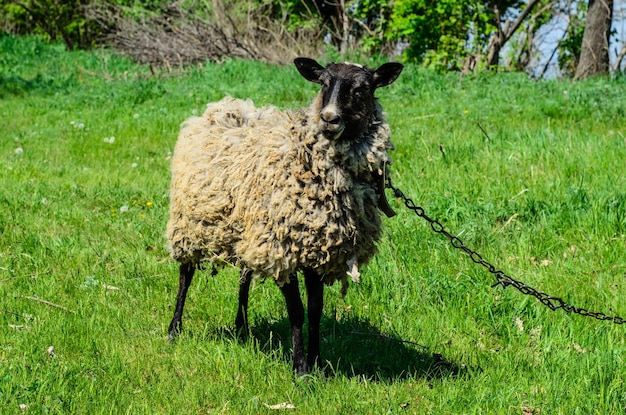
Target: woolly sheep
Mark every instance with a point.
(274, 192)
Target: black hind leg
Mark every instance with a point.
(241, 322)
(295, 311)
(186, 275)
(315, 293)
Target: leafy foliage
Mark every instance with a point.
(435, 30)
(57, 19)
(458, 35)
(439, 34)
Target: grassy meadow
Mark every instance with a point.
(532, 174)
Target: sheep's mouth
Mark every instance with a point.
(334, 129)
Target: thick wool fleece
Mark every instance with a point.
(266, 191)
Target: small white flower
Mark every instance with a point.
(519, 323)
(51, 351)
(109, 140)
(124, 209)
(44, 201)
(23, 407)
(80, 125)
(19, 150)
(135, 116)
(134, 165)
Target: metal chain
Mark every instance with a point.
(503, 280)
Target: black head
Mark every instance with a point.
(347, 97)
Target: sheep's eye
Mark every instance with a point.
(359, 90)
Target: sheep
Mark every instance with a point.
(275, 193)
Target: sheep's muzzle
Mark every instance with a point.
(333, 123)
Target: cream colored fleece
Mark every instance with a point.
(266, 191)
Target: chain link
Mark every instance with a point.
(503, 280)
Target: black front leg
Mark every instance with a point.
(315, 292)
(241, 321)
(295, 311)
(186, 272)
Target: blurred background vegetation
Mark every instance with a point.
(539, 37)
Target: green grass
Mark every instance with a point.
(541, 193)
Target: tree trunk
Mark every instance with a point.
(505, 33)
(594, 54)
(345, 27)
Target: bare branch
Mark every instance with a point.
(619, 58)
(520, 19)
(177, 37)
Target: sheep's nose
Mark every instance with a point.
(330, 116)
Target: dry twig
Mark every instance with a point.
(48, 303)
(177, 36)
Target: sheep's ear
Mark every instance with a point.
(387, 73)
(309, 69)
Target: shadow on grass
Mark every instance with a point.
(354, 348)
(11, 85)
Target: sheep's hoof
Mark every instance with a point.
(305, 379)
(172, 335)
(242, 335)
